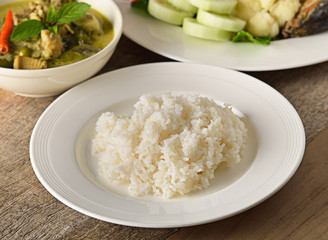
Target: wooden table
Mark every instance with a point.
(298, 211)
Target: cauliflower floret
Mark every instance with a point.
(262, 24)
(267, 4)
(265, 17)
(284, 10)
(246, 9)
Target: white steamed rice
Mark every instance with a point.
(171, 144)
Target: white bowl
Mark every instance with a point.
(53, 81)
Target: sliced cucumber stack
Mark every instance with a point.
(225, 22)
(184, 5)
(217, 6)
(195, 29)
(213, 22)
(164, 11)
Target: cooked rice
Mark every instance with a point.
(171, 144)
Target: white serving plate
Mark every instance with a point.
(61, 158)
(170, 41)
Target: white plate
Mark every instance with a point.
(171, 42)
(60, 145)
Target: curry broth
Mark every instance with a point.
(103, 40)
(15, 7)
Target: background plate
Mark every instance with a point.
(57, 136)
(169, 41)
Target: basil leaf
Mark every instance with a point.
(72, 11)
(243, 36)
(53, 29)
(51, 15)
(140, 6)
(27, 29)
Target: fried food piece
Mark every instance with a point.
(311, 19)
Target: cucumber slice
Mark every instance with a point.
(164, 11)
(193, 28)
(184, 5)
(225, 22)
(217, 6)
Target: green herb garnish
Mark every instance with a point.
(27, 29)
(67, 13)
(140, 5)
(72, 11)
(244, 36)
(51, 15)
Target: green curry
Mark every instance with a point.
(69, 43)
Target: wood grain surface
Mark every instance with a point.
(298, 211)
(29, 211)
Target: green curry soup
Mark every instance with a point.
(74, 41)
(16, 7)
